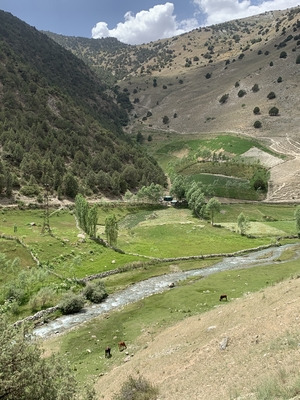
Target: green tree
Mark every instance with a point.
(271, 96)
(111, 229)
(70, 185)
(297, 218)
(256, 110)
(92, 221)
(87, 216)
(178, 187)
(25, 374)
(81, 211)
(273, 112)
(224, 98)
(151, 193)
(212, 207)
(257, 124)
(166, 120)
(242, 223)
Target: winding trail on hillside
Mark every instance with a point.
(159, 284)
(284, 184)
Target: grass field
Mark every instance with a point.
(144, 233)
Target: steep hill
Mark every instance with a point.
(225, 77)
(186, 361)
(60, 124)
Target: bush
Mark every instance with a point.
(166, 120)
(241, 93)
(95, 292)
(271, 95)
(256, 110)
(273, 111)
(283, 54)
(255, 88)
(298, 59)
(257, 124)
(30, 190)
(137, 389)
(279, 80)
(71, 304)
(224, 98)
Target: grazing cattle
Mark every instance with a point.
(223, 297)
(171, 285)
(122, 346)
(107, 352)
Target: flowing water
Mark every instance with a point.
(158, 284)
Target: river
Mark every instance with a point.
(156, 285)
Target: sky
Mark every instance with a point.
(134, 21)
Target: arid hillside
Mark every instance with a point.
(241, 347)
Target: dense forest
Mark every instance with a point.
(59, 124)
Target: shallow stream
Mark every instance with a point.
(158, 284)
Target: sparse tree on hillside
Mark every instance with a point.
(166, 120)
(274, 111)
(256, 110)
(271, 96)
(224, 98)
(257, 124)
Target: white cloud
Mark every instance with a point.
(218, 11)
(157, 23)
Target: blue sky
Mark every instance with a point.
(134, 21)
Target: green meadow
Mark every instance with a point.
(147, 236)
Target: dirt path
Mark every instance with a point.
(284, 183)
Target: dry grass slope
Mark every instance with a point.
(186, 362)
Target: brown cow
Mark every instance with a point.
(122, 346)
(107, 352)
(223, 297)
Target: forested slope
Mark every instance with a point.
(59, 124)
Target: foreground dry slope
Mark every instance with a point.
(186, 362)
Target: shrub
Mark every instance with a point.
(44, 298)
(71, 304)
(257, 124)
(166, 120)
(255, 88)
(271, 95)
(256, 110)
(208, 75)
(30, 190)
(273, 111)
(95, 292)
(137, 388)
(224, 98)
(279, 80)
(298, 59)
(283, 54)
(241, 93)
